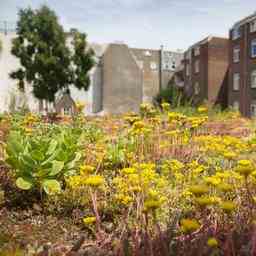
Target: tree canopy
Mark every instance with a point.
(49, 63)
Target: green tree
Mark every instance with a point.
(48, 64)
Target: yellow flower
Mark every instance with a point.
(89, 220)
(230, 155)
(189, 225)
(127, 171)
(225, 187)
(212, 242)
(214, 181)
(199, 190)
(152, 204)
(245, 167)
(80, 106)
(94, 181)
(202, 109)
(124, 199)
(86, 169)
(28, 131)
(166, 106)
(204, 201)
(227, 206)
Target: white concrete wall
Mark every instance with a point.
(8, 86)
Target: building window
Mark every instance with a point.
(236, 82)
(196, 88)
(253, 48)
(187, 70)
(236, 33)
(253, 108)
(147, 53)
(153, 65)
(197, 51)
(253, 26)
(253, 79)
(140, 64)
(66, 111)
(197, 66)
(236, 105)
(236, 54)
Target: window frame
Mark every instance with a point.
(236, 33)
(197, 51)
(253, 26)
(188, 70)
(253, 48)
(253, 78)
(236, 54)
(197, 88)
(235, 75)
(237, 108)
(253, 105)
(197, 66)
(153, 65)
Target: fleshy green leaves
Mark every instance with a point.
(57, 167)
(51, 187)
(42, 161)
(23, 183)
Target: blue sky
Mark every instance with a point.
(142, 23)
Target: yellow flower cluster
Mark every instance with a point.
(140, 181)
(86, 178)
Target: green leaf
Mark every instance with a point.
(51, 187)
(23, 183)
(71, 165)
(37, 155)
(57, 167)
(51, 158)
(52, 147)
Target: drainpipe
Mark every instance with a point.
(246, 95)
(161, 67)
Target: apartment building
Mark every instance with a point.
(242, 71)
(206, 71)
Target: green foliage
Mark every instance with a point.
(172, 95)
(47, 63)
(41, 162)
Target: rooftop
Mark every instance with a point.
(245, 20)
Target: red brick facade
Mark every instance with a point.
(205, 71)
(244, 96)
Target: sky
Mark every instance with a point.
(176, 24)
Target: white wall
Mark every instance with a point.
(8, 86)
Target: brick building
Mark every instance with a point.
(242, 71)
(132, 76)
(206, 71)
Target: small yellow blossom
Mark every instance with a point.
(228, 206)
(89, 220)
(199, 190)
(212, 242)
(189, 225)
(94, 181)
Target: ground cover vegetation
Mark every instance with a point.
(162, 182)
